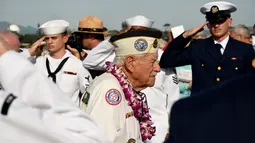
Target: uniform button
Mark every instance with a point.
(219, 68)
(202, 65)
(236, 68)
(217, 79)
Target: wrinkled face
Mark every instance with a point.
(145, 69)
(232, 34)
(241, 38)
(56, 42)
(219, 30)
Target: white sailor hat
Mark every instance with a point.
(136, 42)
(14, 28)
(218, 12)
(216, 6)
(54, 27)
(139, 20)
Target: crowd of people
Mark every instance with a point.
(125, 88)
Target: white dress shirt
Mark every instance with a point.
(223, 44)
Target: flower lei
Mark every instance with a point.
(136, 100)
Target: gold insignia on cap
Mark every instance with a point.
(214, 9)
(155, 43)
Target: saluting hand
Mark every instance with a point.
(33, 48)
(194, 31)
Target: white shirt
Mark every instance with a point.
(40, 113)
(223, 44)
(97, 57)
(72, 78)
(253, 40)
(110, 110)
(25, 53)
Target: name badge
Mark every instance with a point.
(68, 72)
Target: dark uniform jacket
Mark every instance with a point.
(207, 70)
(222, 114)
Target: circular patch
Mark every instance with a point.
(141, 44)
(113, 97)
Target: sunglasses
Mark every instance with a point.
(218, 21)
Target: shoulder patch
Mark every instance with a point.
(113, 97)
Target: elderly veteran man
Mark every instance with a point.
(165, 91)
(114, 99)
(60, 65)
(32, 108)
(214, 59)
(241, 33)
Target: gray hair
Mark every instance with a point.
(241, 30)
(120, 60)
(200, 35)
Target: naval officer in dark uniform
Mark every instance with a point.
(215, 59)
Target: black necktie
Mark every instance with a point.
(218, 52)
(53, 74)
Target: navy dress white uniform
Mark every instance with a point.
(67, 72)
(105, 100)
(212, 62)
(139, 20)
(34, 110)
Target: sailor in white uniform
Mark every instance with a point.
(60, 65)
(33, 109)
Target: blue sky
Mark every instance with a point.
(113, 12)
